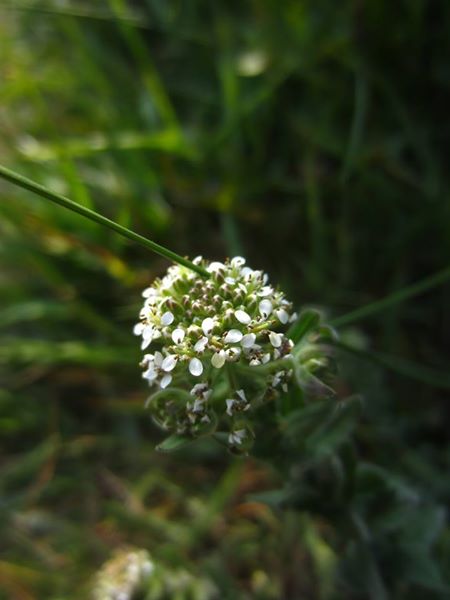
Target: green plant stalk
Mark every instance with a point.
(40, 190)
(399, 296)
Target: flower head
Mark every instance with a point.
(215, 339)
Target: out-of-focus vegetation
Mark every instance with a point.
(310, 137)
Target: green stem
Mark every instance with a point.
(399, 296)
(40, 190)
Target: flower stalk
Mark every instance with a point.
(44, 192)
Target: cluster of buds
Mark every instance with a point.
(209, 343)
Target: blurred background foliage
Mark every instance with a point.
(311, 137)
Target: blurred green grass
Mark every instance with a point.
(310, 137)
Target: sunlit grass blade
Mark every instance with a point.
(40, 190)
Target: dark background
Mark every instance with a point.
(310, 137)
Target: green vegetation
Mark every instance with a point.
(309, 137)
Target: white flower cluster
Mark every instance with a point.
(200, 327)
(123, 576)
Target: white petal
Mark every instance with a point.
(266, 358)
(248, 340)
(146, 343)
(246, 272)
(178, 335)
(283, 315)
(169, 363)
(229, 404)
(150, 291)
(215, 266)
(265, 308)
(241, 395)
(167, 318)
(158, 358)
(218, 359)
(150, 374)
(242, 317)
(255, 362)
(234, 352)
(195, 367)
(138, 328)
(233, 336)
(230, 280)
(293, 318)
(165, 381)
(207, 325)
(201, 344)
(267, 290)
(148, 332)
(275, 339)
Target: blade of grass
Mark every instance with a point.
(401, 366)
(399, 296)
(40, 190)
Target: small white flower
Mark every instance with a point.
(178, 335)
(233, 336)
(207, 325)
(201, 344)
(246, 272)
(195, 367)
(275, 339)
(242, 317)
(218, 359)
(165, 381)
(248, 340)
(282, 315)
(169, 363)
(237, 437)
(230, 280)
(201, 390)
(255, 362)
(138, 328)
(167, 318)
(265, 291)
(265, 308)
(237, 261)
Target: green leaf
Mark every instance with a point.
(174, 442)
